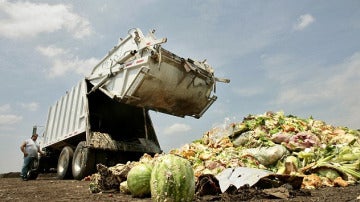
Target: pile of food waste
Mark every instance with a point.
(323, 154)
(305, 153)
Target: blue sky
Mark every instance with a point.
(301, 57)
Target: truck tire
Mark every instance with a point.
(64, 163)
(83, 163)
(33, 173)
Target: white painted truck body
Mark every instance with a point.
(139, 72)
(102, 122)
(67, 117)
(108, 110)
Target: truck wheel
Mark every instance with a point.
(64, 163)
(83, 163)
(33, 173)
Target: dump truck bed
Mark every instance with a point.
(101, 121)
(139, 72)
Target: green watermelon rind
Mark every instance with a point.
(138, 180)
(172, 179)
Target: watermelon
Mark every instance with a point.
(138, 180)
(172, 179)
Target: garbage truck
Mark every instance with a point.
(105, 118)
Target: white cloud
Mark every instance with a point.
(27, 19)
(335, 87)
(32, 106)
(51, 51)
(63, 61)
(248, 91)
(279, 67)
(340, 82)
(9, 119)
(304, 21)
(275, 60)
(177, 128)
(5, 108)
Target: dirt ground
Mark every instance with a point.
(48, 188)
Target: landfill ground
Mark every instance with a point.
(48, 188)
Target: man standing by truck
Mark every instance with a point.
(30, 148)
